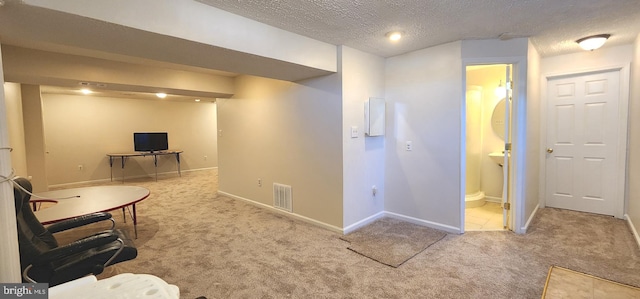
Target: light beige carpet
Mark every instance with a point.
(219, 247)
(566, 283)
(391, 241)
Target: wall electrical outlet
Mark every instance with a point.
(205, 158)
(80, 167)
(354, 131)
(374, 190)
(409, 146)
(259, 182)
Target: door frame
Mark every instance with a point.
(623, 116)
(517, 188)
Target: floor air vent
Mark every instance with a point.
(282, 197)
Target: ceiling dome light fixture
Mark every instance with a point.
(86, 91)
(593, 42)
(161, 95)
(394, 35)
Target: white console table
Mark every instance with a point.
(123, 158)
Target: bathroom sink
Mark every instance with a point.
(497, 157)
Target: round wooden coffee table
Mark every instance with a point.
(70, 203)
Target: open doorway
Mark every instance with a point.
(488, 139)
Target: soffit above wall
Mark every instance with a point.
(120, 93)
(74, 72)
(57, 31)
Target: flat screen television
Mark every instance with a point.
(150, 142)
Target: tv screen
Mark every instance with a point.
(150, 142)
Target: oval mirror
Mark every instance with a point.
(497, 118)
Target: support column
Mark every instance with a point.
(9, 254)
(34, 137)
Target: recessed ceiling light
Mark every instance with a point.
(161, 95)
(197, 100)
(86, 91)
(593, 42)
(394, 35)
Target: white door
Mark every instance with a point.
(582, 140)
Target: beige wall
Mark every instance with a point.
(35, 147)
(424, 94)
(299, 134)
(533, 147)
(13, 102)
(288, 133)
(363, 168)
(81, 130)
(633, 180)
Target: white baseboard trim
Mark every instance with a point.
(363, 222)
(282, 212)
(119, 179)
(69, 185)
(440, 226)
(523, 230)
(633, 229)
(493, 199)
(200, 169)
(352, 227)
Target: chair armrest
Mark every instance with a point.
(75, 247)
(80, 221)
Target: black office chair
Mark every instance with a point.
(43, 260)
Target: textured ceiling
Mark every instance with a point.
(552, 25)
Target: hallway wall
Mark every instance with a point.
(288, 133)
(424, 95)
(633, 180)
(533, 146)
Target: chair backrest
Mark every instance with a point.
(33, 237)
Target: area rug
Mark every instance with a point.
(566, 283)
(391, 241)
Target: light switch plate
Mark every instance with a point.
(354, 131)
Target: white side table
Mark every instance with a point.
(126, 285)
